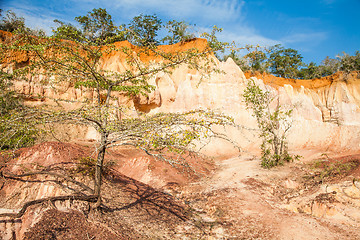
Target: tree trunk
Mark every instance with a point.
(98, 169)
(281, 146)
(276, 145)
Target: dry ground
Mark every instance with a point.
(317, 197)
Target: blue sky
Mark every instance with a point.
(316, 28)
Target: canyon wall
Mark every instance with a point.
(326, 112)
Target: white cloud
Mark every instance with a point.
(201, 12)
(204, 10)
(305, 37)
(246, 36)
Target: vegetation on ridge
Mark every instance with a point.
(287, 62)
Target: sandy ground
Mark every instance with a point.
(249, 202)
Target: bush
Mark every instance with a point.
(13, 133)
(273, 124)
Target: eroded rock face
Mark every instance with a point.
(336, 96)
(326, 111)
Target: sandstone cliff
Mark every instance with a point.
(326, 111)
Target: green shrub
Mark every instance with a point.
(273, 124)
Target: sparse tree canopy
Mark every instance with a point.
(257, 60)
(284, 62)
(350, 63)
(329, 66)
(143, 30)
(310, 71)
(68, 31)
(98, 26)
(10, 22)
(178, 32)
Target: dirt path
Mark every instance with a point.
(244, 201)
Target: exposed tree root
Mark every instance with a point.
(80, 197)
(89, 198)
(19, 176)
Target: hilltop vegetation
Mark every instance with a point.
(287, 63)
(98, 27)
